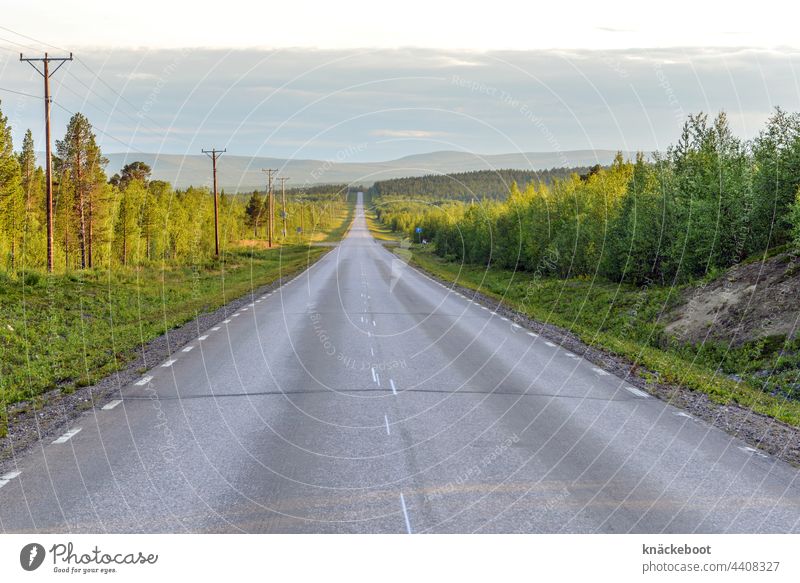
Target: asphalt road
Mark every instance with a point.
(364, 397)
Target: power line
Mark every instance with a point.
(20, 93)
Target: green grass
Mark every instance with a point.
(378, 230)
(70, 330)
(625, 320)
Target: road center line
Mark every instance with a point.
(68, 435)
(405, 513)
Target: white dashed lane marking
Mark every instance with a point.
(187, 349)
(550, 344)
(391, 384)
(215, 328)
(202, 337)
(6, 478)
(68, 435)
(169, 363)
(600, 371)
(386, 419)
(143, 381)
(637, 392)
(110, 405)
(405, 513)
(754, 451)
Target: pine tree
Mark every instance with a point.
(84, 177)
(12, 202)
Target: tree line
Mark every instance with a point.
(707, 203)
(478, 184)
(128, 219)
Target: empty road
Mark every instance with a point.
(364, 397)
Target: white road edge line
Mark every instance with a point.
(143, 381)
(110, 405)
(68, 435)
(405, 513)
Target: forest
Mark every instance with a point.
(478, 184)
(128, 219)
(708, 202)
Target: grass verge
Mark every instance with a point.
(66, 331)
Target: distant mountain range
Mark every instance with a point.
(243, 173)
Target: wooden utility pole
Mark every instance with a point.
(214, 154)
(283, 180)
(270, 204)
(46, 74)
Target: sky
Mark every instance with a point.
(369, 81)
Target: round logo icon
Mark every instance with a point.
(31, 556)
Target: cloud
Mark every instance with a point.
(405, 133)
(310, 103)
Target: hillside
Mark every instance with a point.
(470, 185)
(243, 173)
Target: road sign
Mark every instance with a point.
(418, 230)
(299, 230)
